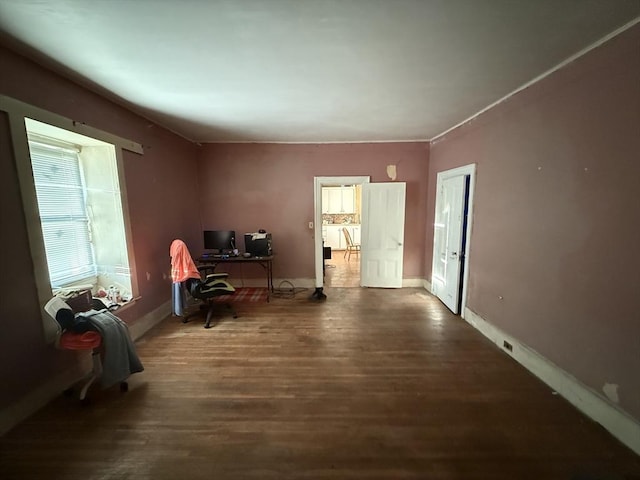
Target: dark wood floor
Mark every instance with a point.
(371, 384)
(342, 270)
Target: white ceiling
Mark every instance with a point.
(308, 70)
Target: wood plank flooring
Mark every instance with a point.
(342, 271)
(371, 384)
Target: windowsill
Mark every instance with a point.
(122, 306)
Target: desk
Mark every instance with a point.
(265, 262)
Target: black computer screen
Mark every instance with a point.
(220, 240)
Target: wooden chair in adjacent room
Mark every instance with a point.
(351, 247)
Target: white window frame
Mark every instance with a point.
(17, 111)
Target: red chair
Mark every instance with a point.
(85, 341)
(70, 340)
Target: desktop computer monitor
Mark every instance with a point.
(223, 241)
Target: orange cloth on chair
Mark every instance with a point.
(80, 341)
(182, 266)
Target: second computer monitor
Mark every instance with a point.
(223, 241)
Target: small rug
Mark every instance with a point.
(246, 294)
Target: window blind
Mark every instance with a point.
(63, 213)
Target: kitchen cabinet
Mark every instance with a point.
(334, 237)
(335, 200)
(348, 199)
(325, 200)
(338, 200)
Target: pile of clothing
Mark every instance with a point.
(119, 356)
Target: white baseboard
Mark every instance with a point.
(284, 283)
(618, 422)
(150, 320)
(310, 283)
(412, 282)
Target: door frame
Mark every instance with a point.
(465, 170)
(318, 183)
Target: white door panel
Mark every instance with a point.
(447, 241)
(382, 246)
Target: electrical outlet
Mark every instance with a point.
(507, 346)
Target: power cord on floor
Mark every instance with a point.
(288, 291)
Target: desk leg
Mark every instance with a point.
(269, 280)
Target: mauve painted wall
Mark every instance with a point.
(246, 187)
(162, 189)
(556, 220)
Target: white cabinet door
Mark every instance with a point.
(333, 237)
(325, 201)
(348, 200)
(343, 242)
(338, 200)
(334, 199)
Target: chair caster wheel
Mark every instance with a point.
(124, 387)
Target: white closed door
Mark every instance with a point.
(382, 245)
(448, 241)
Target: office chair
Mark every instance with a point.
(187, 277)
(351, 247)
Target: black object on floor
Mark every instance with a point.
(318, 294)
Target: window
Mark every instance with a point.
(98, 171)
(61, 197)
(79, 203)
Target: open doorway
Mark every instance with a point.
(338, 205)
(341, 233)
(342, 269)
